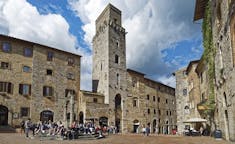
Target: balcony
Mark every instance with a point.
(203, 105)
(206, 105)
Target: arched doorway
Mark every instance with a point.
(136, 124)
(155, 129)
(118, 111)
(46, 115)
(81, 117)
(167, 128)
(3, 115)
(103, 121)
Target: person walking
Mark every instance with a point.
(27, 127)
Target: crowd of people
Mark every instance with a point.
(50, 128)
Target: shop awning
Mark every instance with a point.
(195, 120)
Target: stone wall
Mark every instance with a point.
(38, 78)
(182, 99)
(223, 30)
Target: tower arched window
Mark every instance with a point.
(116, 59)
(117, 79)
(186, 109)
(117, 44)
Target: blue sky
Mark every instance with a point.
(161, 39)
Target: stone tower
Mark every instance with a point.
(109, 63)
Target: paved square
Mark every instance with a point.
(16, 138)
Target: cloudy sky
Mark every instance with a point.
(162, 36)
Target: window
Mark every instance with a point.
(70, 76)
(6, 47)
(159, 112)
(184, 92)
(117, 44)
(118, 79)
(26, 69)
(115, 20)
(148, 111)
(134, 82)
(70, 91)
(25, 89)
(166, 101)
(24, 111)
(154, 111)
(71, 62)
(166, 112)
(50, 56)
(5, 65)
(154, 99)
(170, 113)
(28, 52)
(134, 102)
(49, 72)
(95, 100)
(158, 99)
(6, 87)
(186, 109)
(201, 77)
(147, 97)
(116, 59)
(203, 97)
(47, 91)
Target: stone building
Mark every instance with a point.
(37, 81)
(188, 97)
(149, 102)
(182, 98)
(222, 26)
(130, 100)
(44, 83)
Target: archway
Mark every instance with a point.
(103, 121)
(46, 115)
(81, 117)
(136, 124)
(118, 111)
(3, 115)
(155, 129)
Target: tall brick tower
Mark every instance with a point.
(109, 63)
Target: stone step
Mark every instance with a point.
(7, 129)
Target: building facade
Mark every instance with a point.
(223, 29)
(130, 99)
(182, 98)
(37, 82)
(43, 83)
(189, 98)
(220, 19)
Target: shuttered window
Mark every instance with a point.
(6, 87)
(25, 89)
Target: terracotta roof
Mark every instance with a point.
(33, 43)
(200, 9)
(190, 64)
(134, 71)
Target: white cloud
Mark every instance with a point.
(152, 26)
(170, 81)
(20, 19)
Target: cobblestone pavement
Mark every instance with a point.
(16, 138)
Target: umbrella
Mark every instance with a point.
(195, 120)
